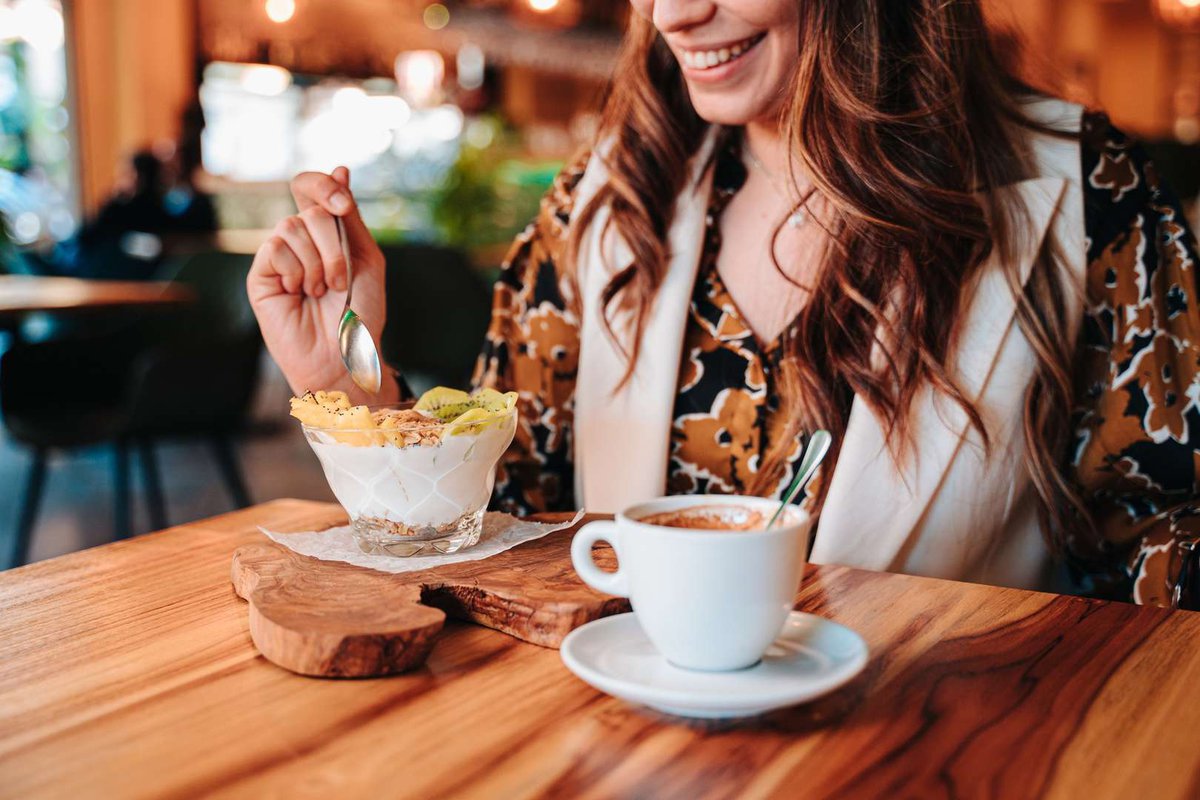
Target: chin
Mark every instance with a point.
(729, 111)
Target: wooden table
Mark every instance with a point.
(26, 294)
(127, 671)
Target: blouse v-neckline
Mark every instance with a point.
(728, 410)
(728, 177)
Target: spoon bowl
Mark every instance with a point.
(359, 353)
(355, 342)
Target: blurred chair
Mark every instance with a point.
(437, 314)
(191, 375)
(62, 395)
(198, 380)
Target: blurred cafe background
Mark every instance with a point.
(145, 150)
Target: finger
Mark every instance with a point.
(322, 232)
(318, 189)
(262, 281)
(294, 232)
(314, 279)
(275, 262)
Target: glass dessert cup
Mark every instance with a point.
(414, 487)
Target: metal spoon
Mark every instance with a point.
(814, 454)
(354, 340)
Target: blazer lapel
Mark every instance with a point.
(875, 506)
(622, 436)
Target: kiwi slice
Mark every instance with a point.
(470, 422)
(445, 404)
(449, 405)
(495, 402)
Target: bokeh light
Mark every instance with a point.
(280, 11)
(39, 24)
(267, 80)
(419, 75)
(436, 16)
(469, 63)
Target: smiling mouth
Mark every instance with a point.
(707, 59)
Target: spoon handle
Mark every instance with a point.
(344, 241)
(814, 454)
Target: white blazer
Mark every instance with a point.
(950, 512)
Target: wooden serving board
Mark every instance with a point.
(335, 620)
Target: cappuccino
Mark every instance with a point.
(709, 518)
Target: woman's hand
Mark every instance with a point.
(297, 286)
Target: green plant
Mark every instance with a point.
(490, 193)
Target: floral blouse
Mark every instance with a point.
(1135, 457)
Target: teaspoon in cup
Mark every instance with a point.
(814, 454)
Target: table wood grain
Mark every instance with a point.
(25, 294)
(127, 671)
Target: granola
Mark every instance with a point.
(406, 427)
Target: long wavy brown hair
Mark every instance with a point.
(902, 117)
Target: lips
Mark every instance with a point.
(708, 59)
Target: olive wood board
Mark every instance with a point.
(334, 620)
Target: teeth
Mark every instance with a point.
(706, 59)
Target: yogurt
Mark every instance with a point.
(418, 484)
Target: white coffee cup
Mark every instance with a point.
(707, 599)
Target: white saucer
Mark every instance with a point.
(811, 657)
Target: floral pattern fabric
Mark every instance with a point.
(1136, 454)
(1137, 431)
(532, 348)
(728, 409)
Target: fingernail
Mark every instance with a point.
(340, 202)
(339, 282)
(319, 291)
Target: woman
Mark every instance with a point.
(840, 215)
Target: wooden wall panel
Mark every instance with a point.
(1113, 54)
(134, 74)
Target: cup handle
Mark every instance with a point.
(613, 583)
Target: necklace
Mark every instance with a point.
(799, 215)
